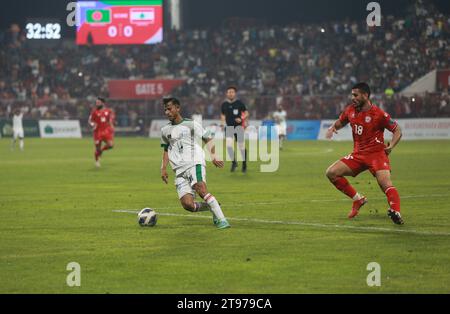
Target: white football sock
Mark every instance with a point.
(202, 207)
(215, 207)
(21, 144)
(357, 197)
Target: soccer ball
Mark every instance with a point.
(147, 217)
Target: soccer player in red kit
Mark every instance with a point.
(368, 123)
(102, 121)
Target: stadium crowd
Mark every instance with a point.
(308, 68)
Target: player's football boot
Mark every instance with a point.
(222, 224)
(215, 220)
(356, 207)
(234, 165)
(395, 216)
(244, 167)
(97, 164)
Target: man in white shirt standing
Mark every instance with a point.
(18, 133)
(280, 121)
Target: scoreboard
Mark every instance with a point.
(117, 22)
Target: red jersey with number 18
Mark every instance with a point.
(103, 118)
(368, 128)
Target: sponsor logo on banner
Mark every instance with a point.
(60, 128)
(344, 134)
(423, 129)
(303, 129)
(210, 125)
(30, 128)
(412, 129)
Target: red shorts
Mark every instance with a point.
(360, 162)
(103, 136)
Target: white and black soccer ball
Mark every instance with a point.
(147, 217)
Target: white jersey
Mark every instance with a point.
(280, 117)
(183, 142)
(280, 121)
(17, 122)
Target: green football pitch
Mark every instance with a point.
(290, 232)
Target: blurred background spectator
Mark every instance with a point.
(308, 68)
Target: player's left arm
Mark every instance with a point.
(212, 151)
(112, 119)
(396, 137)
(392, 126)
(208, 139)
(245, 116)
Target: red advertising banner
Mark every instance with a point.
(443, 78)
(141, 89)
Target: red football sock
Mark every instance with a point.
(393, 198)
(344, 186)
(106, 147)
(97, 154)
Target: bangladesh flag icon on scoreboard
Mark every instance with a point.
(98, 16)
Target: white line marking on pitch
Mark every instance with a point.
(326, 200)
(382, 198)
(298, 223)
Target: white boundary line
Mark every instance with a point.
(382, 198)
(327, 200)
(299, 223)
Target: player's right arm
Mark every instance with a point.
(334, 128)
(91, 121)
(165, 162)
(337, 125)
(165, 158)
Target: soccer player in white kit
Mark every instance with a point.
(18, 133)
(280, 123)
(181, 140)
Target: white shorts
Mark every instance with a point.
(187, 179)
(281, 129)
(18, 134)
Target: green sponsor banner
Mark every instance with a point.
(98, 16)
(30, 128)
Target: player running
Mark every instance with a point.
(280, 123)
(102, 121)
(181, 140)
(368, 123)
(18, 133)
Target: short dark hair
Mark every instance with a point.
(103, 100)
(232, 87)
(172, 100)
(364, 87)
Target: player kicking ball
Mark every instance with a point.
(368, 123)
(102, 121)
(181, 140)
